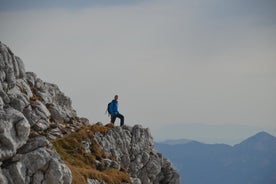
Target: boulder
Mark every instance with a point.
(14, 132)
(47, 168)
(133, 147)
(94, 181)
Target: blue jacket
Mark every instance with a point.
(114, 107)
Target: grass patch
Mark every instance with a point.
(82, 164)
(35, 97)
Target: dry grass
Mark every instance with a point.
(35, 98)
(110, 125)
(82, 164)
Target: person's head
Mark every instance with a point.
(116, 97)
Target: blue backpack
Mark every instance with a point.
(108, 109)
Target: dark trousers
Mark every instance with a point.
(120, 116)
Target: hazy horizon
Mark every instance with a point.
(230, 134)
(211, 64)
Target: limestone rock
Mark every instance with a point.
(133, 147)
(107, 163)
(135, 181)
(14, 132)
(41, 165)
(86, 145)
(3, 179)
(93, 181)
(24, 100)
(33, 143)
(34, 112)
(57, 172)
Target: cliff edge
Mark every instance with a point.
(42, 140)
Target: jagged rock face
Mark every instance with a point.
(14, 132)
(30, 107)
(35, 163)
(133, 147)
(33, 113)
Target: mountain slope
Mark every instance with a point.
(252, 161)
(42, 140)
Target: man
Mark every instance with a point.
(114, 111)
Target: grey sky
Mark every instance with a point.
(170, 62)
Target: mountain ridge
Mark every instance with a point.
(38, 123)
(251, 161)
(258, 135)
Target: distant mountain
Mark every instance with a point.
(178, 141)
(253, 161)
(208, 133)
(262, 141)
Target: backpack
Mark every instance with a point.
(108, 109)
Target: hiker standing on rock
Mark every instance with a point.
(112, 109)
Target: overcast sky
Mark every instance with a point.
(200, 62)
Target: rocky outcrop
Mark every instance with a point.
(32, 112)
(133, 147)
(35, 163)
(35, 120)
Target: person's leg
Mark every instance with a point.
(122, 118)
(113, 118)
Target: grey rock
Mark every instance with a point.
(51, 94)
(40, 164)
(31, 78)
(23, 108)
(10, 77)
(3, 179)
(56, 114)
(21, 68)
(107, 163)
(19, 101)
(135, 181)
(24, 87)
(54, 133)
(57, 173)
(86, 145)
(3, 95)
(39, 116)
(38, 177)
(22, 170)
(8, 65)
(115, 165)
(94, 181)
(14, 132)
(133, 147)
(1, 104)
(33, 143)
